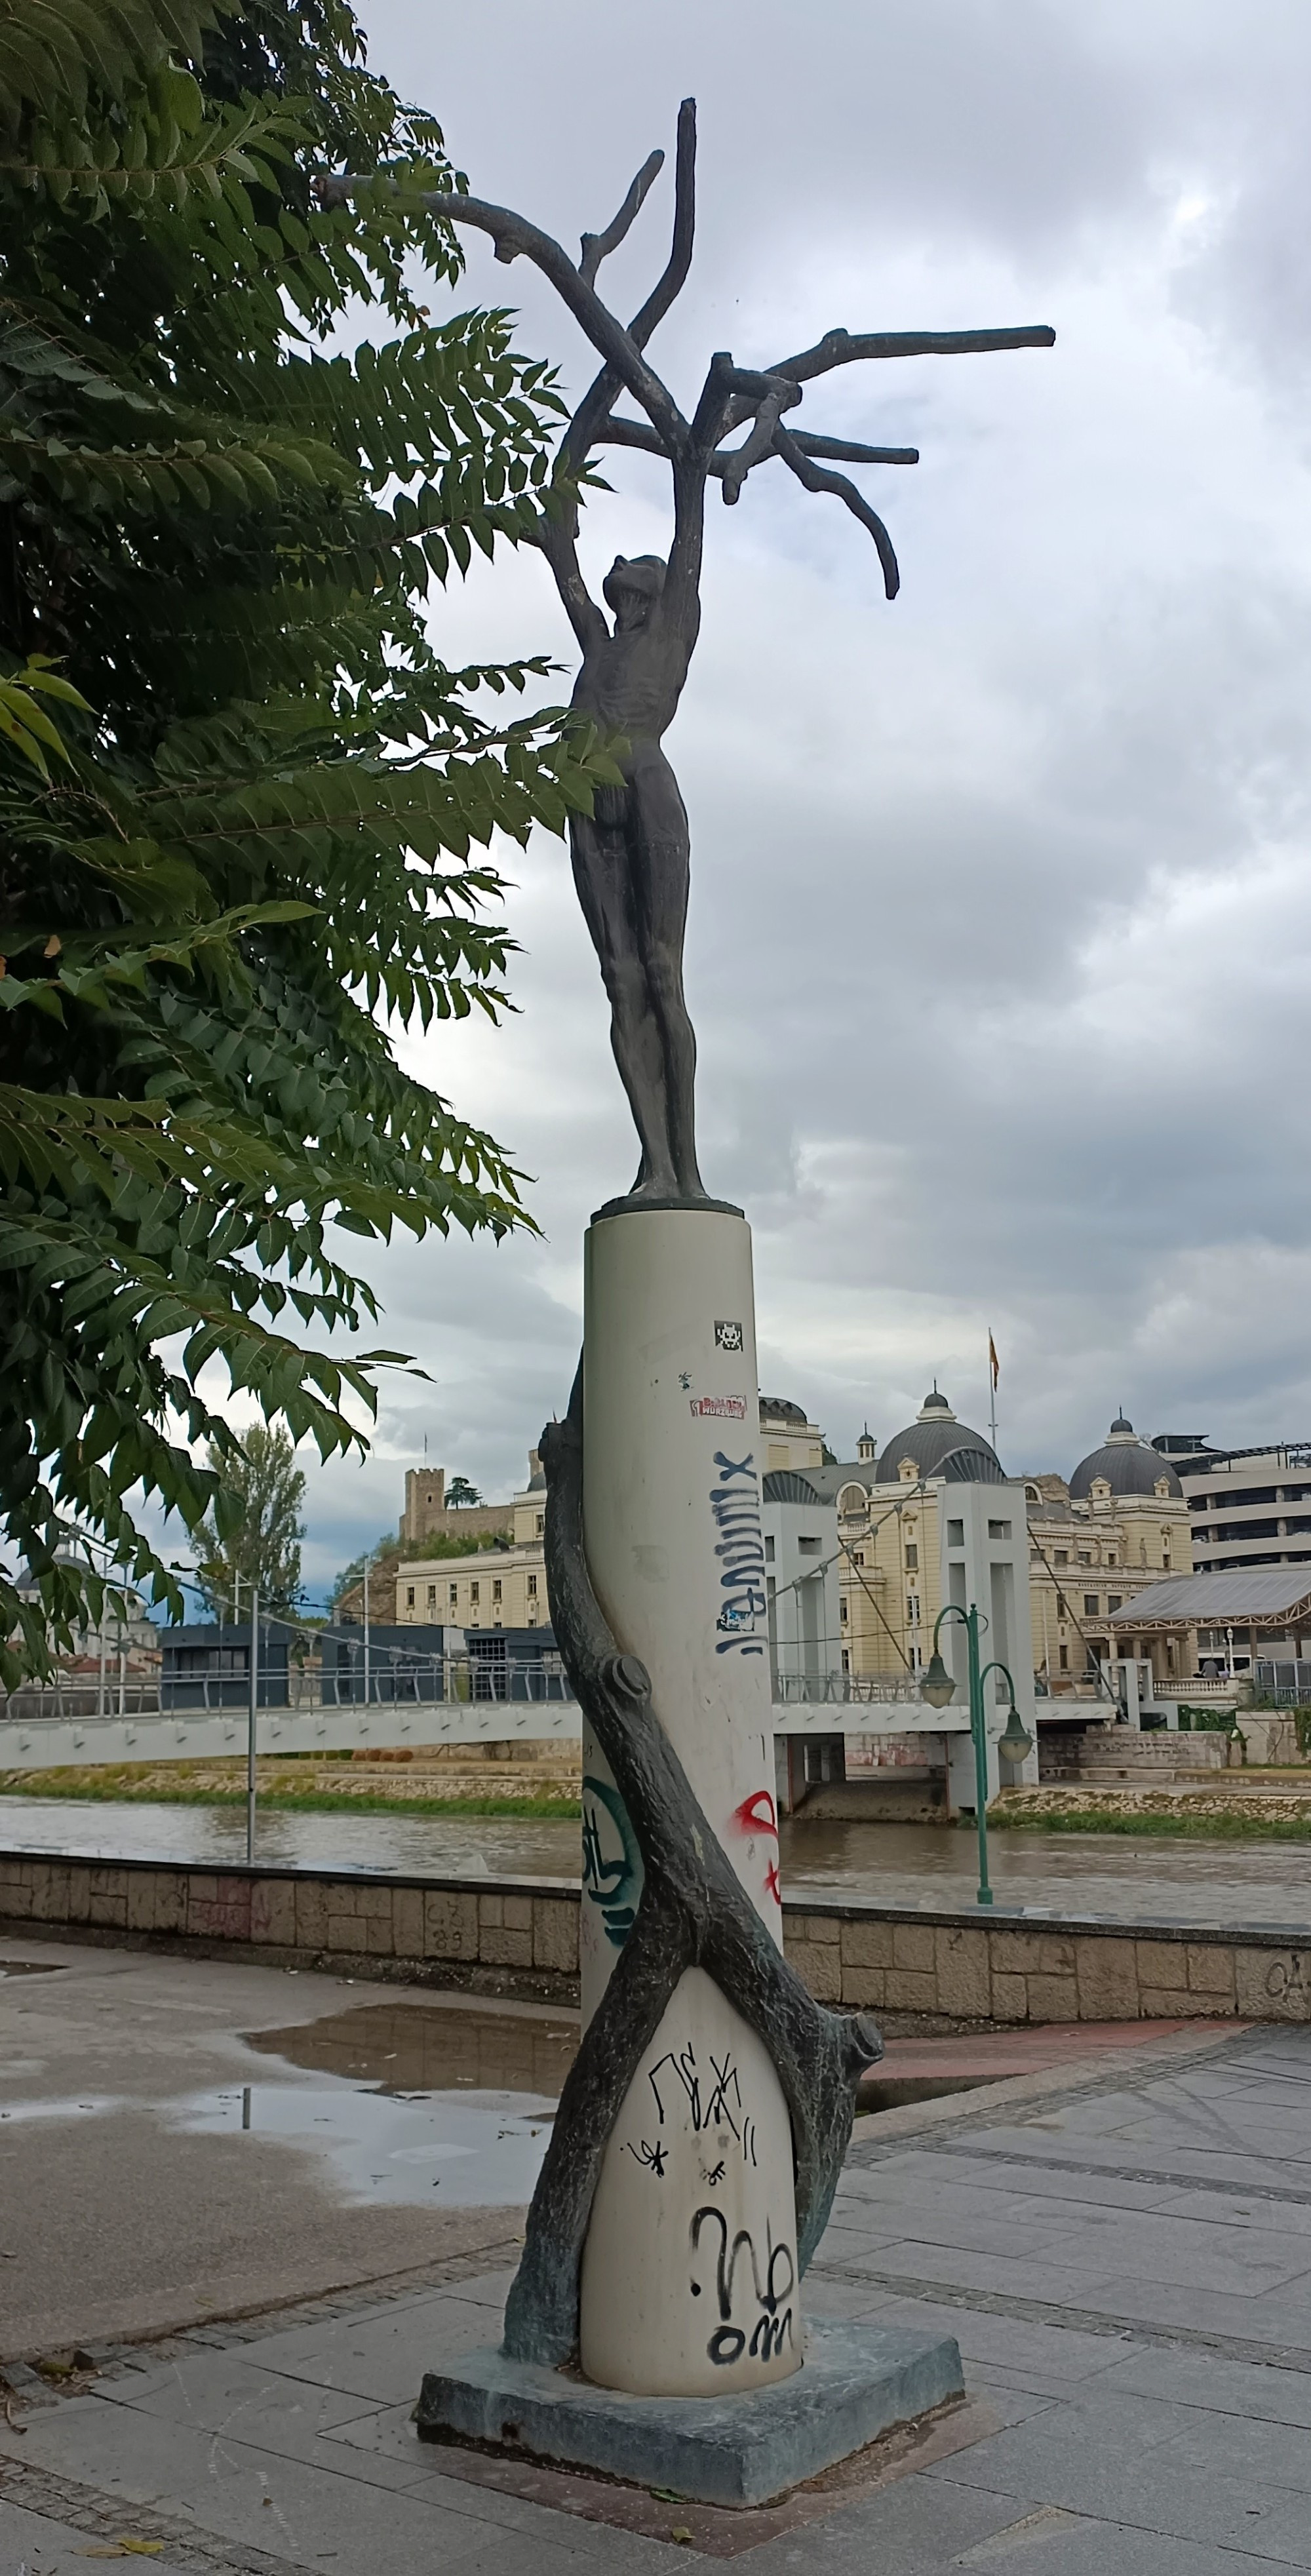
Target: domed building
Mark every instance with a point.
(1123, 1465)
(788, 1437)
(1120, 1525)
(936, 1443)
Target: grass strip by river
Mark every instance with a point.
(1263, 1815)
(333, 1789)
(181, 1784)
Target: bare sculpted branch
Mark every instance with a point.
(620, 432)
(631, 854)
(598, 246)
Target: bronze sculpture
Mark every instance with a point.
(631, 869)
(631, 856)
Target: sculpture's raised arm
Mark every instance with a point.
(595, 405)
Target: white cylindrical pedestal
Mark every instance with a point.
(689, 2282)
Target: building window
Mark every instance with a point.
(913, 1609)
(860, 1556)
(1112, 1558)
(1061, 1611)
(769, 1551)
(843, 1610)
(496, 1587)
(432, 1596)
(1065, 1659)
(1090, 1605)
(541, 1523)
(474, 1592)
(455, 1594)
(409, 1596)
(955, 1533)
(912, 1557)
(1085, 1556)
(532, 1587)
(999, 1529)
(1061, 1556)
(1113, 1600)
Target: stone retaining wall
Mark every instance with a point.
(521, 1936)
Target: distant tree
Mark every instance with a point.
(263, 1489)
(383, 1556)
(449, 1543)
(460, 1491)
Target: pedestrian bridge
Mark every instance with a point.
(47, 1730)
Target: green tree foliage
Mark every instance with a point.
(388, 1552)
(460, 1492)
(263, 1489)
(243, 802)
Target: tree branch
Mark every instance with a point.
(598, 246)
(841, 349)
(816, 479)
(778, 396)
(600, 394)
(619, 432)
(671, 284)
(515, 238)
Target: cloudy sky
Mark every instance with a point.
(998, 944)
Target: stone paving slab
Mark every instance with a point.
(1146, 2360)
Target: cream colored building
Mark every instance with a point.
(891, 1529)
(492, 1587)
(1118, 1526)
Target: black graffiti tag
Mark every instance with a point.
(772, 2327)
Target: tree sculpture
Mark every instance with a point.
(630, 863)
(631, 855)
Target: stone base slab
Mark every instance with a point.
(856, 2381)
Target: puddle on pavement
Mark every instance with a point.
(31, 1967)
(417, 2048)
(412, 2104)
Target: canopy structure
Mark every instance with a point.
(1274, 1597)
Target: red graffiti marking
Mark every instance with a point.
(772, 1887)
(757, 1815)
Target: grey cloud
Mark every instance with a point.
(1001, 920)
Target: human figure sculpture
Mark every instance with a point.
(631, 855)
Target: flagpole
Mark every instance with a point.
(993, 1375)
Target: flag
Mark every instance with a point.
(994, 1364)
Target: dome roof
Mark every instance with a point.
(1126, 1463)
(778, 1408)
(932, 1439)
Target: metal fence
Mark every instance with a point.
(1288, 1685)
(397, 1685)
(80, 1699)
(843, 1690)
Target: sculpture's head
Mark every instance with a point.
(631, 587)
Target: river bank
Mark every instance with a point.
(305, 1786)
(1270, 1807)
(1084, 1872)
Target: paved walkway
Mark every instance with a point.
(1124, 2252)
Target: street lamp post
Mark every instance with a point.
(939, 1687)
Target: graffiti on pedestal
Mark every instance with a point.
(758, 1814)
(742, 1624)
(612, 1863)
(750, 2296)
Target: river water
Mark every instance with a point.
(1107, 1874)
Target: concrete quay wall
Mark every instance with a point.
(520, 1936)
